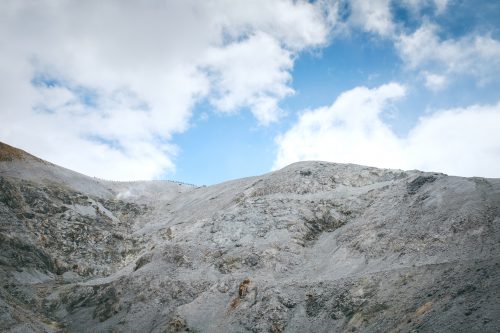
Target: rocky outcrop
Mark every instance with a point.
(314, 247)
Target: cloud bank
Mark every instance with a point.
(474, 55)
(463, 141)
(101, 87)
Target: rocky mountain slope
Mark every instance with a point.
(314, 247)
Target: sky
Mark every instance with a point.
(207, 91)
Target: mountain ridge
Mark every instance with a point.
(10, 153)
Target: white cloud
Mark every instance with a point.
(348, 131)
(462, 142)
(107, 84)
(265, 67)
(474, 55)
(441, 5)
(435, 82)
(373, 16)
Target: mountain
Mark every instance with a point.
(313, 247)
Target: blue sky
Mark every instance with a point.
(230, 147)
(220, 147)
(207, 92)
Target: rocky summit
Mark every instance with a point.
(313, 247)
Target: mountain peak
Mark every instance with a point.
(9, 154)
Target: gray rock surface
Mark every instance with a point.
(314, 247)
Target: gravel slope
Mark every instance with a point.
(314, 247)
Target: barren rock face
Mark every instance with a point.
(314, 247)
